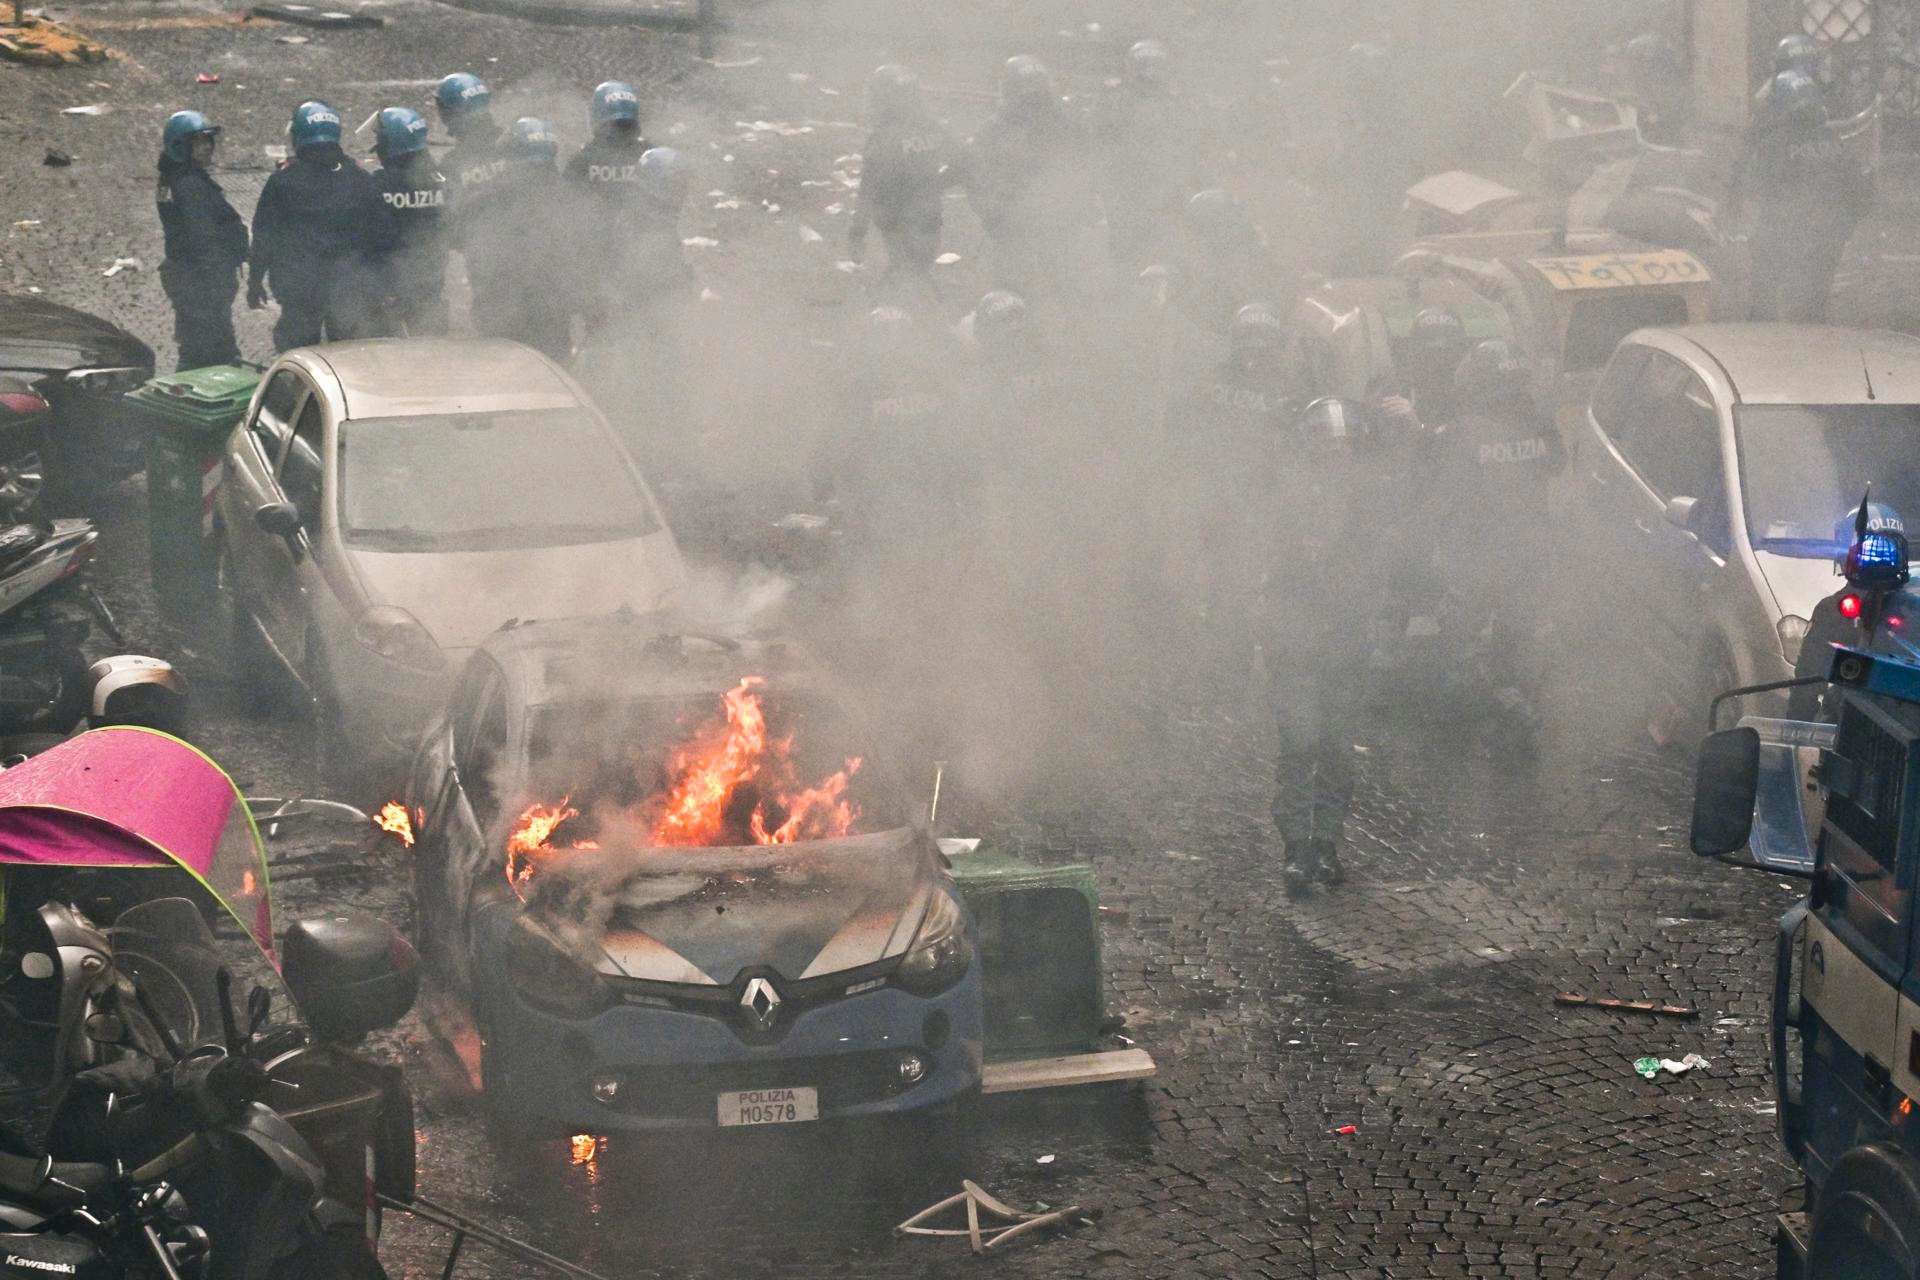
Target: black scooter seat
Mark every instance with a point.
(50, 1186)
(19, 541)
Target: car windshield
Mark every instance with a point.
(1804, 467)
(480, 481)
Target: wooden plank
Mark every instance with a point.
(1075, 1069)
(1625, 1006)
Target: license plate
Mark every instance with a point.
(769, 1106)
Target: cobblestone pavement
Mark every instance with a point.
(1495, 1134)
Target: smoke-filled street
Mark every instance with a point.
(1362, 1074)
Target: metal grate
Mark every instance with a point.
(1874, 53)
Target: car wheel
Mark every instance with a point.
(247, 653)
(23, 476)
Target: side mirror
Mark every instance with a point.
(349, 974)
(1725, 784)
(1681, 513)
(281, 519)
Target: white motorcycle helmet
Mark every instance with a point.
(131, 689)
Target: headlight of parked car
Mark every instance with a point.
(397, 636)
(548, 978)
(1793, 635)
(941, 951)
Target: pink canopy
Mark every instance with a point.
(127, 797)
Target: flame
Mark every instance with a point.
(733, 784)
(585, 1147)
(532, 837)
(393, 817)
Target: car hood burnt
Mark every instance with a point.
(44, 337)
(702, 916)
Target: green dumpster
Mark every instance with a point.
(188, 416)
(1039, 933)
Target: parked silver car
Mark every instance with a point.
(386, 505)
(1717, 467)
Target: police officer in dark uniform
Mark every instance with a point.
(318, 220)
(1830, 624)
(411, 257)
(206, 243)
(908, 163)
(1324, 550)
(606, 174)
(1804, 190)
(1028, 181)
(1507, 453)
(520, 268)
(1363, 184)
(474, 165)
(1223, 263)
(1149, 158)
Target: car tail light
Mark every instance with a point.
(22, 402)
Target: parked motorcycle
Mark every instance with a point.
(47, 611)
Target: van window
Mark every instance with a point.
(1862, 843)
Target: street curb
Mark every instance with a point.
(585, 13)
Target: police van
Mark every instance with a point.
(1836, 801)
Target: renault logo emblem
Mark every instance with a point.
(761, 1002)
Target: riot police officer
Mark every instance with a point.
(474, 165)
(606, 174)
(1424, 399)
(908, 163)
(1149, 158)
(206, 243)
(1506, 452)
(1363, 184)
(1028, 181)
(411, 258)
(1323, 550)
(1804, 54)
(317, 221)
(1803, 191)
(522, 272)
(1222, 263)
(1830, 624)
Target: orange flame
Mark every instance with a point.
(393, 817)
(733, 784)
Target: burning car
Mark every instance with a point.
(679, 894)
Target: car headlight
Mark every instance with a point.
(397, 636)
(102, 381)
(941, 951)
(548, 978)
(1793, 635)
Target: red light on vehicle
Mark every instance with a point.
(1850, 606)
(22, 402)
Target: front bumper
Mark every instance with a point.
(672, 1065)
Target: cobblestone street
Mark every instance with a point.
(1494, 1133)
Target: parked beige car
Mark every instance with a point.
(1717, 468)
(386, 505)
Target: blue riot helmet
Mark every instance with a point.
(1880, 518)
(1256, 333)
(182, 127)
(315, 124)
(460, 95)
(893, 92)
(1876, 557)
(1806, 55)
(615, 106)
(1025, 82)
(1495, 370)
(1148, 67)
(1000, 323)
(399, 131)
(1795, 98)
(1435, 345)
(663, 172)
(532, 141)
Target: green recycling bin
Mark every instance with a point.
(188, 416)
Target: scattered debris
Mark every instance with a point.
(40, 43)
(308, 16)
(809, 236)
(847, 265)
(206, 77)
(701, 242)
(1626, 1006)
(26, 225)
(727, 204)
(1046, 1159)
(91, 109)
(754, 61)
(708, 295)
(122, 264)
(1650, 1068)
(56, 159)
(987, 1235)
(292, 39)
(1347, 1130)
(778, 128)
(946, 260)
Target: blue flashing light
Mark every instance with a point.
(1878, 561)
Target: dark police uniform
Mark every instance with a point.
(1807, 190)
(608, 174)
(521, 270)
(318, 220)
(206, 244)
(475, 169)
(411, 256)
(1027, 179)
(907, 166)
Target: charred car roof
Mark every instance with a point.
(629, 658)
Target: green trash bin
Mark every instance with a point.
(188, 416)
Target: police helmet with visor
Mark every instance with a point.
(182, 128)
